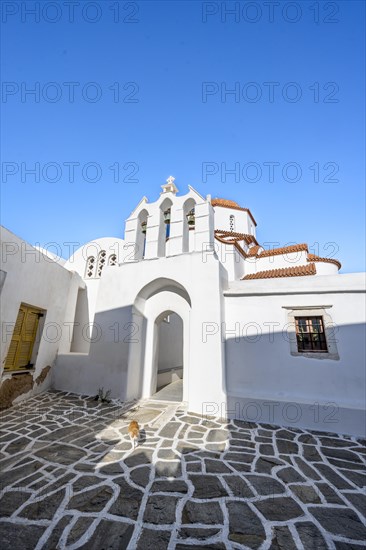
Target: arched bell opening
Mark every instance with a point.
(189, 223)
(141, 233)
(164, 226)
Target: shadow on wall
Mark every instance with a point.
(80, 342)
(120, 346)
(122, 352)
(267, 382)
(110, 339)
(117, 340)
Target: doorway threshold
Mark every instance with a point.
(171, 392)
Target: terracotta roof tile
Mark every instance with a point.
(284, 250)
(314, 258)
(225, 203)
(296, 271)
(253, 250)
(231, 236)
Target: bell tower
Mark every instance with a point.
(172, 225)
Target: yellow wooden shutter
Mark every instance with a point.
(10, 358)
(24, 335)
(29, 331)
(15, 341)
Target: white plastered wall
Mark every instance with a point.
(87, 296)
(281, 261)
(243, 222)
(120, 360)
(35, 279)
(261, 369)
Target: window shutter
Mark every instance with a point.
(24, 335)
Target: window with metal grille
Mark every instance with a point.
(90, 267)
(112, 260)
(232, 223)
(310, 334)
(102, 256)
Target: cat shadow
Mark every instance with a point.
(142, 437)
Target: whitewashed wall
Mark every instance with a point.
(87, 297)
(116, 360)
(281, 261)
(37, 280)
(231, 260)
(243, 223)
(261, 369)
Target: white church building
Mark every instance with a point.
(190, 298)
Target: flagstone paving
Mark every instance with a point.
(70, 479)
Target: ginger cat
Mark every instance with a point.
(134, 432)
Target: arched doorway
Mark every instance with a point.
(169, 365)
(157, 300)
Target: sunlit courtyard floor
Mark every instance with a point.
(70, 479)
(170, 392)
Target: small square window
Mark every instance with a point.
(310, 335)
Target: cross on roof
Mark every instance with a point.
(169, 186)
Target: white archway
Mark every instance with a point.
(155, 301)
(157, 307)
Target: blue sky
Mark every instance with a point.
(171, 63)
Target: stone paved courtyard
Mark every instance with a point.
(70, 479)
